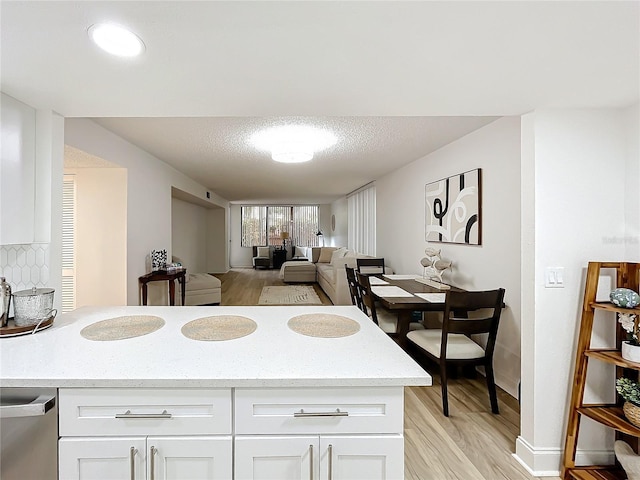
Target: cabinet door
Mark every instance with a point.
(17, 171)
(370, 457)
(276, 458)
(195, 458)
(102, 458)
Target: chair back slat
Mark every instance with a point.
(459, 315)
(470, 326)
(368, 300)
(370, 266)
(354, 291)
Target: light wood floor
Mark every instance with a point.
(472, 444)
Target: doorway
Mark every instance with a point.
(95, 254)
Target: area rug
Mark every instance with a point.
(289, 295)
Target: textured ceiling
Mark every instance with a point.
(216, 152)
(212, 70)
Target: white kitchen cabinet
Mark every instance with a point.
(276, 458)
(150, 458)
(17, 172)
(102, 458)
(349, 457)
(362, 457)
(152, 434)
(319, 434)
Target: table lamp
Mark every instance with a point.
(284, 236)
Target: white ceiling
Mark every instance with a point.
(393, 79)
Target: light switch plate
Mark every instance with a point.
(554, 277)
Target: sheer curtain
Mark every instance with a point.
(361, 229)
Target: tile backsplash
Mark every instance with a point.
(25, 266)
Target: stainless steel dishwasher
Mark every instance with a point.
(28, 434)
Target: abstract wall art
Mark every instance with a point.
(453, 209)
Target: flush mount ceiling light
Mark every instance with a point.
(116, 40)
(293, 143)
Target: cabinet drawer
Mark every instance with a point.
(315, 410)
(153, 411)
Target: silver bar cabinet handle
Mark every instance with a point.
(153, 451)
(310, 462)
(132, 462)
(128, 414)
(337, 413)
(330, 462)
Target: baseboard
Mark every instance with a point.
(546, 462)
(541, 462)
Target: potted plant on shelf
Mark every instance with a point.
(630, 348)
(629, 390)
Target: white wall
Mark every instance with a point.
(189, 234)
(101, 235)
(576, 163)
(340, 235)
(632, 209)
(217, 234)
(148, 193)
(400, 199)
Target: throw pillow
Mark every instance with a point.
(263, 252)
(325, 254)
(337, 256)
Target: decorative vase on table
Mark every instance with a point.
(158, 260)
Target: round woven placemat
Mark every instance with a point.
(324, 325)
(219, 327)
(119, 328)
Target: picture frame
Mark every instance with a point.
(453, 209)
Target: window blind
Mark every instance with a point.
(263, 225)
(361, 226)
(68, 289)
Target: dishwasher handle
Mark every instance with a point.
(40, 406)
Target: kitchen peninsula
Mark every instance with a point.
(271, 402)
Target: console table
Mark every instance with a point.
(162, 275)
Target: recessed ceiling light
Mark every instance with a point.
(293, 143)
(116, 40)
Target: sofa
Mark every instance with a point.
(330, 273)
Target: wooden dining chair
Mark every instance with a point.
(354, 291)
(465, 314)
(370, 266)
(386, 320)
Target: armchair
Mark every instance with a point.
(261, 257)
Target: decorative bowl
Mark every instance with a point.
(624, 297)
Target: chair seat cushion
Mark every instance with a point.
(387, 321)
(459, 347)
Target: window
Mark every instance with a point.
(263, 225)
(361, 229)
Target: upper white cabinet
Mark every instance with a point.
(17, 172)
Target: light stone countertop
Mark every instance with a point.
(272, 356)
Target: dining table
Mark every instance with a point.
(404, 294)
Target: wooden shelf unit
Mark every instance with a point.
(610, 415)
